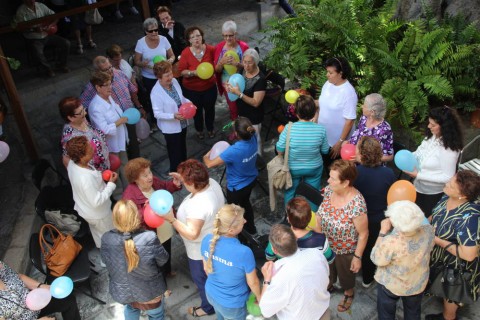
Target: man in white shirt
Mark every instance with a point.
(294, 287)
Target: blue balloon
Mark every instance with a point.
(61, 287)
(405, 161)
(161, 202)
(237, 80)
(132, 114)
(232, 96)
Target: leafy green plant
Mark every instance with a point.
(414, 65)
(12, 62)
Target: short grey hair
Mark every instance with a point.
(375, 102)
(149, 22)
(405, 216)
(229, 25)
(254, 54)
(99, 61)
(283, 240)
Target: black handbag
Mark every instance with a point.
(451, 283)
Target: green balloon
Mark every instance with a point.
(252, 306)
(158, 59)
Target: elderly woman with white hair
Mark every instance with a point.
(147, 49)
(372, 124)
(250, 101)
(402, 256)
(221, 59)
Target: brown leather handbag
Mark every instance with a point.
(59, 256)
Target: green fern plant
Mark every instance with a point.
(412, 64)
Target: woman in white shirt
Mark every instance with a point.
(338, 105)
(437, 157)
(106, 115)
(90, 193)
(167, 97)
(195, 217)
(147, 48)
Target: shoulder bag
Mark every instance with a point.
(61, 254)
(451, 283)
(278, 172)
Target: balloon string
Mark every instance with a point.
(227, 126)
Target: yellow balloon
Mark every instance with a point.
(291, 96)
(205, 70)
(230, 69)
(313, 222)
(231, 53)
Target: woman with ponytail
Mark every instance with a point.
(240, 160)
(134, 258)
(230, 265)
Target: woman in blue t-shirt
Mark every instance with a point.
(240, 160)
(230, 265)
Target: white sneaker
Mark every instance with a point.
(133, 10)
(367, 285)
(118, 15)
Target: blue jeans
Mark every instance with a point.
(387, 304)
(199, 277)
(311, 176)
(224, 313)
(131, 313)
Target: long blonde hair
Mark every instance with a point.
(230, 215)
(126, 220)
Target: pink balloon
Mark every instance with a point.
(187, 110)
(218, 148)
(151, 218)
(347, 151)
(38, 299)
(143, 129)
(115, 162)
(4, 151)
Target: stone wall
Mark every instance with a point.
(411, 9)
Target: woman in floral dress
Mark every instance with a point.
(342, 217)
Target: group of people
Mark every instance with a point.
(352, 230)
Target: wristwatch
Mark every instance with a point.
(266, 282)
(381, 235)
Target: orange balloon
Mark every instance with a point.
(401, 190)
(475, 118)
(280, 128)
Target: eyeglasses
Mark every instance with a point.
(151, 31)
(108, 84)
(108, 69)
(229, 36)
(81, 113)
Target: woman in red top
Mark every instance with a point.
(142, 184)
(203, 93)
(231, 43)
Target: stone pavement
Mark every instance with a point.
(40, 98)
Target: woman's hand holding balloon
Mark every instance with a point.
(234, 89)
(170, 217)
(412, 174)
(121, 121)
(179, 116)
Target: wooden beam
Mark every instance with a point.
(48, 19)
(18, 111)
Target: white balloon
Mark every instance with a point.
(4, 151)
(218, 148)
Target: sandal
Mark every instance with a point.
(200, 135)
(91, 44)
(346, 303)
(193, 312)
